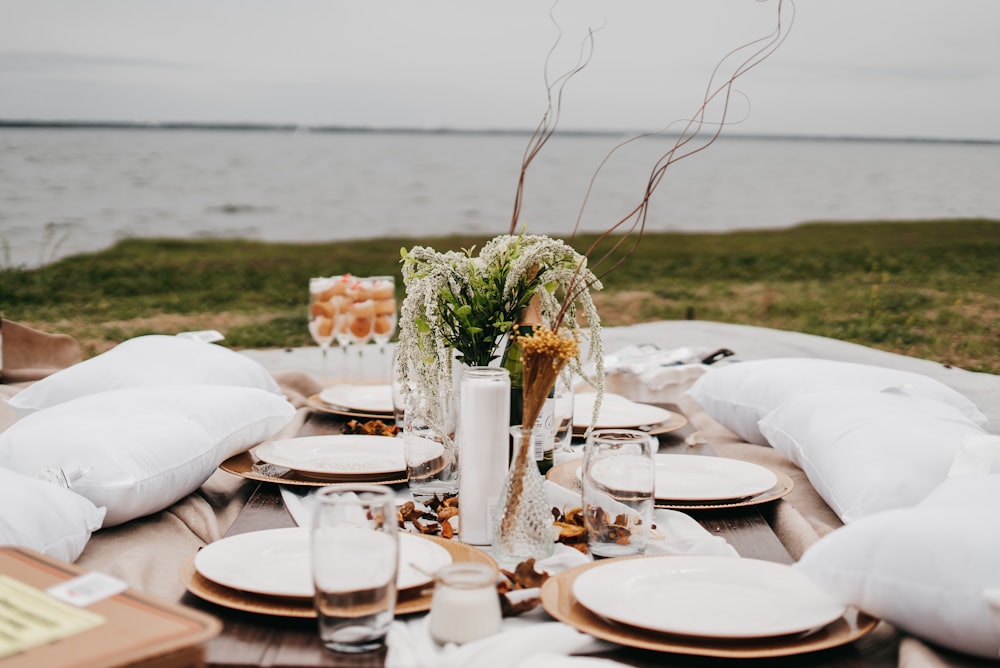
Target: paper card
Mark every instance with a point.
(30, 617)
(87, 589)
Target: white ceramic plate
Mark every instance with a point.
(340, 454)
(701, 478)
(708, 597)
(617, 412)
(276, 562)
(361, 398)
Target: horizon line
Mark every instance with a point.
(360, 129)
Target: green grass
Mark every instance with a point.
(928, 289)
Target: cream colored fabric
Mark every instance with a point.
(27, 354)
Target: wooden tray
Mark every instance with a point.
(138, 629)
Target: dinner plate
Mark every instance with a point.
(616, 412)
(707, 597)
(698, 478)
(558, 600)
(703, 479)
(360, 398)
(409, 601)
(567, 475)
(275, 562)
(336, 455)
(243, 465)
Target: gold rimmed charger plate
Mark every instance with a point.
(317, 404)
(673, 423)
(417, 599)
(565, 475)
(558, 600)
(244, 466)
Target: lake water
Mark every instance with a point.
(70, 190)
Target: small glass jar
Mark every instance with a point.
(465, 606)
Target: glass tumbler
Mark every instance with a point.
(618, 491)
(355, 558)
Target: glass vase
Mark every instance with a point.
(522, 527)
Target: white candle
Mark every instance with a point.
(483, 423)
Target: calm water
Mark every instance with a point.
(66, 191)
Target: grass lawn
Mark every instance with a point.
(927, 289)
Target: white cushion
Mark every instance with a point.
(866, 451)
(146, 360)
(923, 569)
(45, 517)
(739, 394)
(137, 450)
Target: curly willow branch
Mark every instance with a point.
(634, 222)
(550, 119)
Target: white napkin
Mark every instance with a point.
(676, 532)
(648, 374)
(522, 643)
(300, 506)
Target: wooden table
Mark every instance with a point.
(254, 640)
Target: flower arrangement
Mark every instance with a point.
(461, 307)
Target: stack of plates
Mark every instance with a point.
(338, 457)
(269, 571)
(618, 412)
(703, 605)
(700, 481)
(358, 401)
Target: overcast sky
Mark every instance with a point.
(897, 68)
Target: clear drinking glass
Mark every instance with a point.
(383, 290)
(563, 414)
(322, 316)
(355, 558)
(429, 447)
(618, 491)
(355, 317)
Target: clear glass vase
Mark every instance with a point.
(522, 527)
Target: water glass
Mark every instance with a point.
(355, 558)
(618, 491)
(429, 447)
(562, 423)
(465, 605)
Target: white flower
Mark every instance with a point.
(462, 306)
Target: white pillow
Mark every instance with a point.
(45, 517)
(138, 450)
(146, 360)
(739, 394)
(923, 569)
(867, 451)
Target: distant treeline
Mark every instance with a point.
(354, 129)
